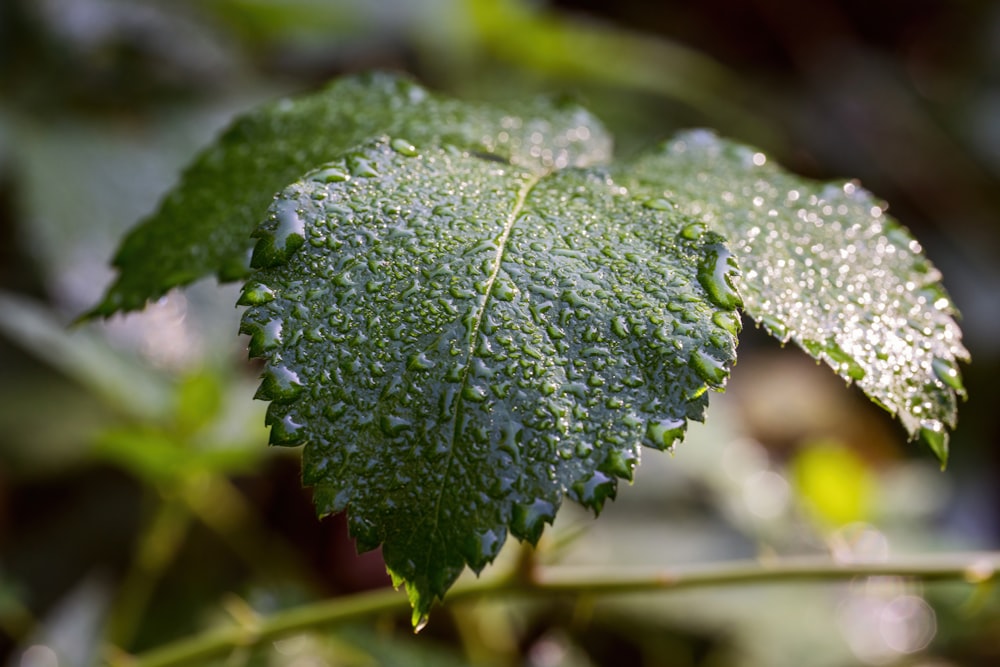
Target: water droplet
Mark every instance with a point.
(528, 521)
(595, 490)
(693, 231)
(265, 338)
(285, 432)
(710, 369)
(473, 393)
(947, 372)
(421, 362)
(775, 326)
(504, 290)
(291, 228)
(658, 204)
(844, 363)
(419, 621)
(935, 435)
(513, 434)
(404, 147)
(663, 433)
(729, 321)
(330, 174)
(277, 246)
(455, 373)
(716, 273)
(576, 300)
(393, 425)
(485, 548)
(620, 463)
(481, 370)
(279, 384)
(255, 294)
(335, 410)
(619, 326)
(361, 165)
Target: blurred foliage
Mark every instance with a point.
(138, 501)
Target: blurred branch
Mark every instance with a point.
(974, 568)
(157, 546)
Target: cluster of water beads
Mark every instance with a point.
(826, 268)
(460, 370)
(203, 226)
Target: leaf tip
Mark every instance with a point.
(419, 621)
(528, 519)
(419, 602)
(285, 431)
(935, 435)
(594, 491)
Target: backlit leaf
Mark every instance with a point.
(825, 267)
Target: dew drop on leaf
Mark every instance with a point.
(693, 231)
(595, 490)
(823, 266)
(291, 230)
(659, 204)
(663, 433)
(280, 384)
(255, 294)
(933, 433)
(947, 372)
(711, 370)
(528, 520)
(404, 147)
(360, 165)
(716, 274)
(330, 174)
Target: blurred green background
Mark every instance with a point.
(139, 502)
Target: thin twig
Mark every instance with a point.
(973, 568)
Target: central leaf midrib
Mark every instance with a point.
(508, 227)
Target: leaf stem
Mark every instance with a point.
(970, 567)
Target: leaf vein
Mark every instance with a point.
(474, 335)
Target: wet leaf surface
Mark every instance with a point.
(826, 268)
(461, 343)
(203, 227)
(465, 321)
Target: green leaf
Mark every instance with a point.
(825, 267)
(461, 342)
(203, 226)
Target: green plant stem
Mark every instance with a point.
(972, 568)
(156, 549)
